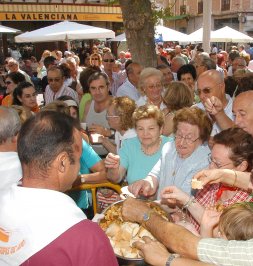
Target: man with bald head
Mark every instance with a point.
(129, 87)
(243, 111)
(211, 90)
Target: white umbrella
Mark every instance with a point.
(119, 38)
(166, 33)
(197, 36)
(65, 31)
(4, 29)
(169, 34)
(227, 34)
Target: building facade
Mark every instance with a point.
(28, 15)
(188, 14)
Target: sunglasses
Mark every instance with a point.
(109, 60)
(8, 82)
(205, 91)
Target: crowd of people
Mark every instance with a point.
(154, 129)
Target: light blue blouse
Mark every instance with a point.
(137, 164)
(173, 171)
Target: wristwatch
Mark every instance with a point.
(170, 259)
(146, 216)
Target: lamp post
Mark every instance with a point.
(207, 13)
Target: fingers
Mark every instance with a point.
(140, 245)
(202, 176)
(147, 239)
(112, 160)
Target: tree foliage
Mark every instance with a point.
(139, 19)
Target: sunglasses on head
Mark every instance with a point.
(109, 60)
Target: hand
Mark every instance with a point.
(95, 128)
(153, 252)
(112, 161)
(209, 221)
(213, 105)
(133, 210)
(145, 187)
(212, 176)
(174, 196)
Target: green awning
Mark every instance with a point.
(177, 17)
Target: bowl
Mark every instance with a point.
(112, 216)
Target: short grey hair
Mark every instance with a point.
(9, 123)
(179, 59)
(146, 73)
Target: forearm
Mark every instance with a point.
(196, 211)
(237, 179)
(223, 120)
(92, 178)
(174, 237)
(111, 147)
(188, 262)
(114, 175)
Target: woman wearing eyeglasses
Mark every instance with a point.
(119, 117)
(181, 158)
(11, 81)
(233, 149)
(151, 88)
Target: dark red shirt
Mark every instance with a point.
(84, 244)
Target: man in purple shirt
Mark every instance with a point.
(39, 224)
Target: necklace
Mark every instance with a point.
(177, 165)
(152, 153)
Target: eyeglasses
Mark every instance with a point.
(207, 90)
(111, 116)
(153, 86)
(8, 82)
(108, 60)
(187, 140)
(94, 59)
(216, 164)
(54, 79)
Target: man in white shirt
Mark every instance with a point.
(129, 87)
(10, 167)
(56, 88)
(13, 66)
(211, 90)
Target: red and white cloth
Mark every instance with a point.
(207, 197)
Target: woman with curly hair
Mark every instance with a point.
(139, 154)
(119, 117)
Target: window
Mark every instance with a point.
(225, 5)
(200, 7)
(182, 9)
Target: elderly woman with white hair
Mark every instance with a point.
(151, 88)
